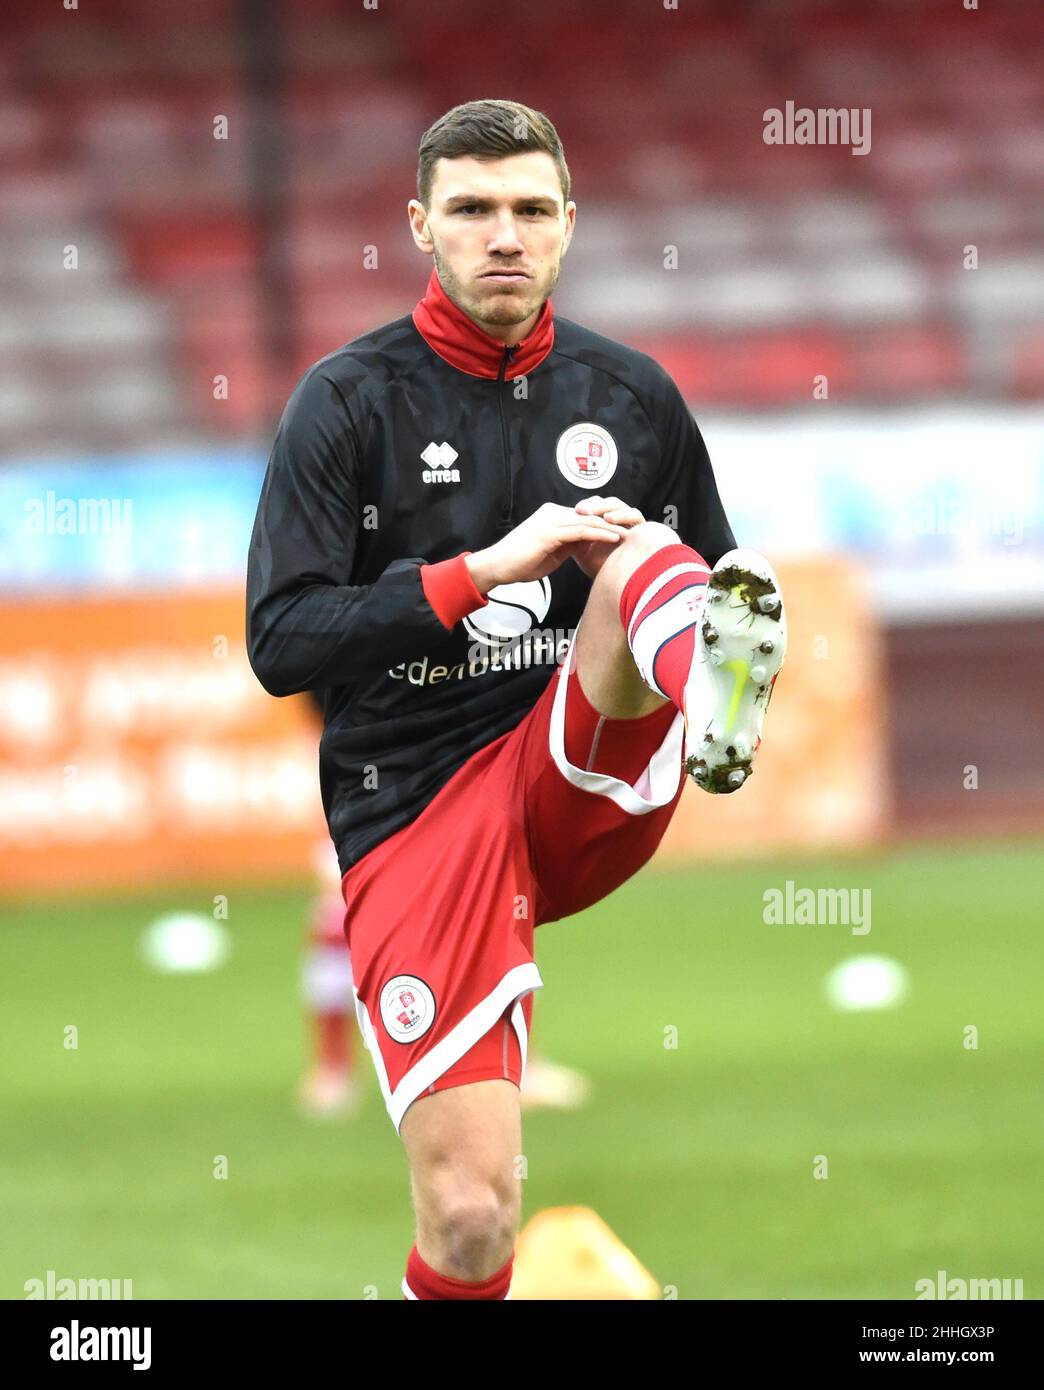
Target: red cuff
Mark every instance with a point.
(450, 589)
(425, 1283)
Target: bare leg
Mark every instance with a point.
(464, 1147)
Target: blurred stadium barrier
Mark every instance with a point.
(139, 750)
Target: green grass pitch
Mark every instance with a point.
(700, 1156)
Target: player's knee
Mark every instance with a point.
(638, 544)
(650, 536)
(472, 1223)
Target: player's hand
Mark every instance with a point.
(541, 543)
(592, 556)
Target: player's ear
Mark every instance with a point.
(419, 226)
(570, 220)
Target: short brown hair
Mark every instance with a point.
(488, 130)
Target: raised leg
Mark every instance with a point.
(604, 664)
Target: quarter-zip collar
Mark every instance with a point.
(448, 330)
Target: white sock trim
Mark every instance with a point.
(654, 588)
(669, 620)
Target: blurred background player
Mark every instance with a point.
(330, 1084)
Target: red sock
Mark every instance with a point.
(423, 1282)
(327, 984)
(660, 606)
(333, 1043)
(619, 747)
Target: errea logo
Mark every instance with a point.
(440, 458)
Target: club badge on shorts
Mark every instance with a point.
(586, 455)
(407, 1008)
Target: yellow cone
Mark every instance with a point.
(570, 1253)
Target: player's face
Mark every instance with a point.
(503, 216)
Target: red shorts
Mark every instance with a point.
(538, 825)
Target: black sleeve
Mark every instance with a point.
(307, 627)
(685, 495)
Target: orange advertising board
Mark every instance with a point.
(137, 747)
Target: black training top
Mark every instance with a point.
(399, 454)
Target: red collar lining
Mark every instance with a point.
(448, 330)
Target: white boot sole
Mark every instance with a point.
(741, 641)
